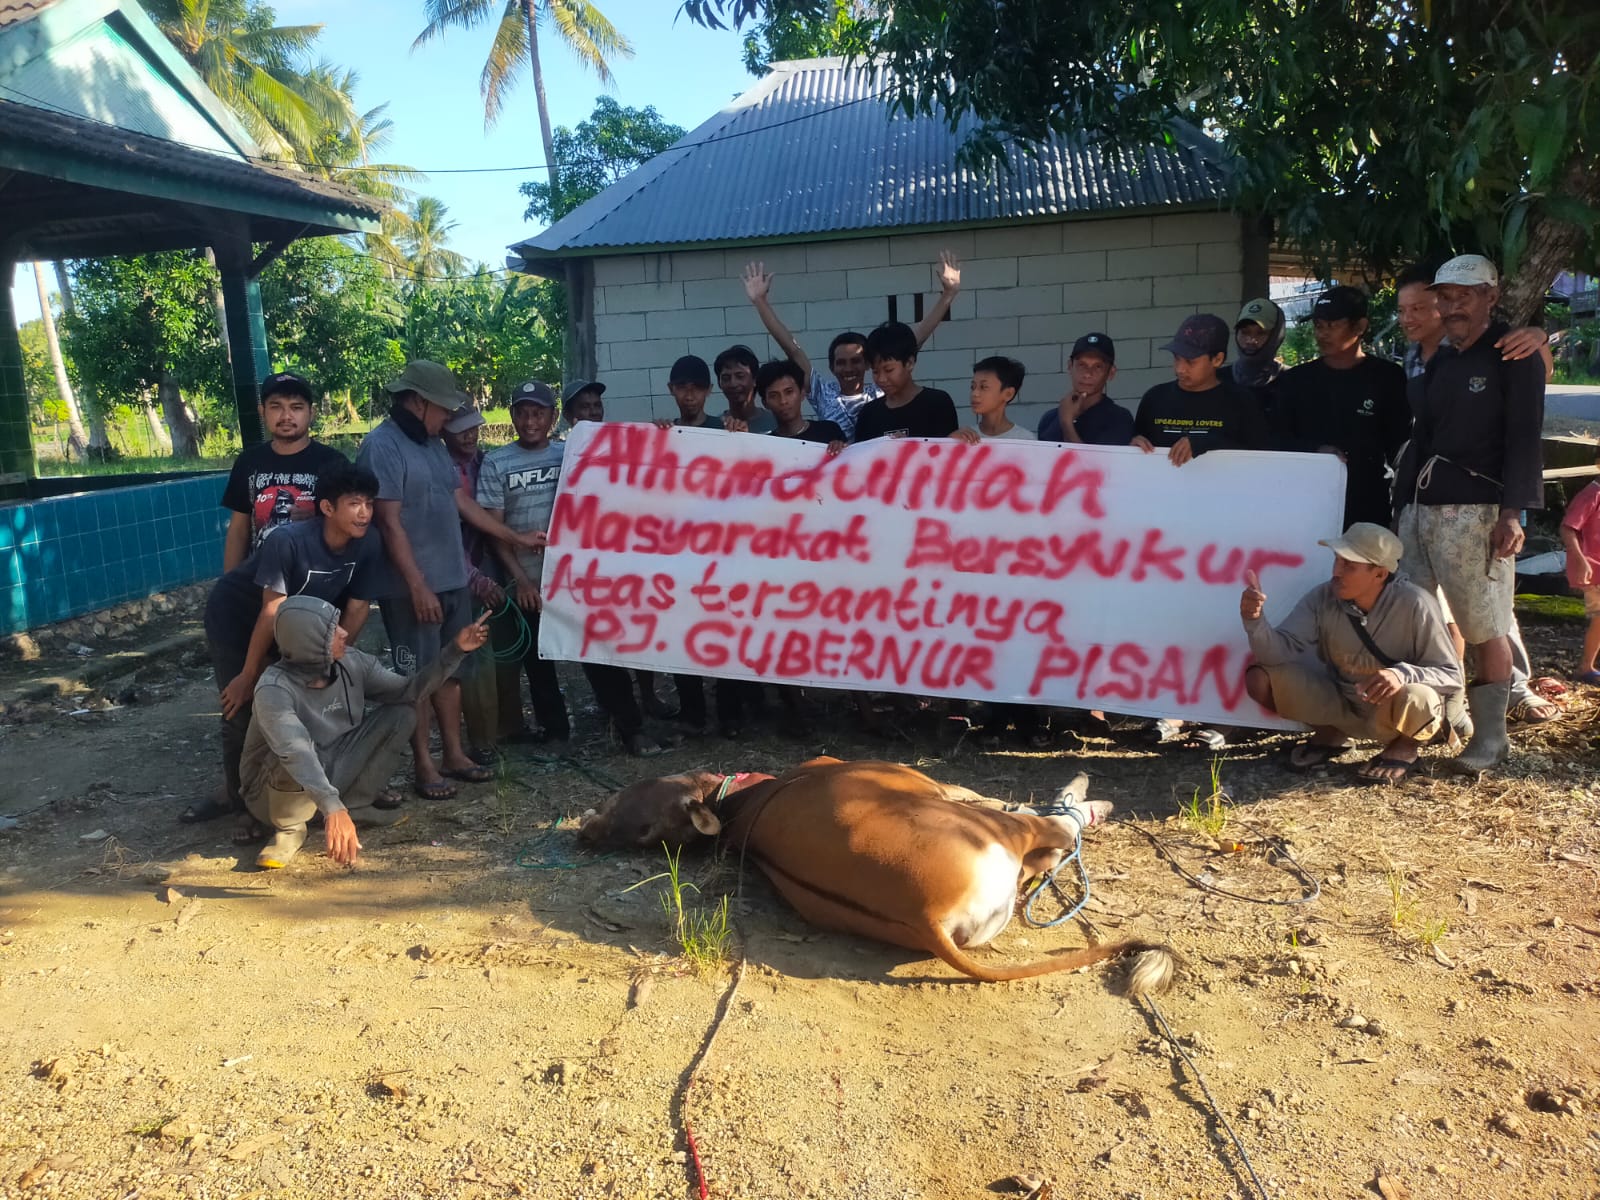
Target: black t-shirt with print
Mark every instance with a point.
(273, 489)
(1225, 417)
(929, 414)
(825, 432)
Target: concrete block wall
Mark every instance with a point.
(1027, 290)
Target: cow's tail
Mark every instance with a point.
(1150, 972)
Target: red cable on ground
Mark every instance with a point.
(705, 1053)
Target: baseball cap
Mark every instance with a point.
(1365, 542)
(1200, 336)
(466, 417)
(533, 392)
(1095, 343)
(583, 385)
(283, 383)
(1470, 270)
(1342, 303)
(691, 369)
(1262, 312)
(433, 381)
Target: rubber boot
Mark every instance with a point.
(280, 848)
(1489, 745)
(1457, 717)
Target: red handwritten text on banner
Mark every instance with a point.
(1077, 576)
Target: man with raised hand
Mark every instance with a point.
(1383, 663)
(842, 398)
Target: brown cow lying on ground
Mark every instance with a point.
(880, 850)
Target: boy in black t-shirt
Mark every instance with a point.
(781, 386)
(1199, 410)
(906, 408)
(331, 557)
(275, 482)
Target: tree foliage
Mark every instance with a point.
(778, 36)
(144, 320)
(1372, 132)
(333, 315)
(492, 331)
(578, 24)
(600, 151)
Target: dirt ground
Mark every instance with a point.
(476, 1009)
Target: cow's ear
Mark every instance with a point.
(704, 820)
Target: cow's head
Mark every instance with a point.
(645, 814)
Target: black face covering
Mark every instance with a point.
(1262, 367)
(410, 424)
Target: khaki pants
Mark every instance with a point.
(1311, 695)
(358, 765)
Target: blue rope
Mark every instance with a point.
(1048, 879)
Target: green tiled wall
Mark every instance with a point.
(70, 555)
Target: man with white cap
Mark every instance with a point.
(1383, 665)
(1473, 465)
(422, 591)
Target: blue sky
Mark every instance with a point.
(686, 72)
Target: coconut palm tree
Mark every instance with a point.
(584, 29)
(422, 237)
(77, 440)
(255, 68)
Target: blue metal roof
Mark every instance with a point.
(814, 149)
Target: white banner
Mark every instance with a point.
(1038, 573)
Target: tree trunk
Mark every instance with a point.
(218, 303)
(1552, 248)
(99, 440)
(544, 108)
(185, 439)
(160, 443)
(77, 440)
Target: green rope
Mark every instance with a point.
(519, 649)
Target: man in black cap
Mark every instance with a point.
(1085, 414)
(1348, 403)
(1199, 410)
(583, 402)
(422, 589)
(275, 481)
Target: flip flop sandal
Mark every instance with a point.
(1308, 756)
(1211, 739)
(1590, 677)
(1380, 761)
(472, 774)
(435, 791)
(389, 798)
(247, 831)
(1530, 713)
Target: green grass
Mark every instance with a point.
(1208, 814)
(1551, 608)
(703, 936)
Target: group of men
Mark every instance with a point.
(427, 524)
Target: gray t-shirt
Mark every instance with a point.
(761, 421)
(521, 485)
(425, 481)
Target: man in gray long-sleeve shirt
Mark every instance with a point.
(1384, 662)
(1473, 464)
(312, 747)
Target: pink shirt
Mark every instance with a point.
(1583, 516)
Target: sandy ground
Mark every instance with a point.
(478, 1010)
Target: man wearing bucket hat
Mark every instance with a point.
(1383, 667)
(423, 592)
(1473, 464)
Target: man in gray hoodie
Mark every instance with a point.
(312, 747)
